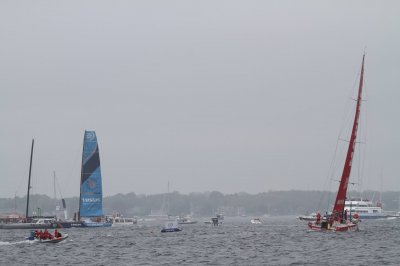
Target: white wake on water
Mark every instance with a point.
(6, 243)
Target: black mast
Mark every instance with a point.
(29, 182)
(80, 183)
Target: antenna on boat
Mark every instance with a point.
(29, 182)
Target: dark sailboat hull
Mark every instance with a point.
(30, 226)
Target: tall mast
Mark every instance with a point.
(29, 182)
(80, 182)
(341, 194)
(168, 200)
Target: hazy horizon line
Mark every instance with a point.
(216, 191)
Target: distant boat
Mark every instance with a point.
(216, 221)
(119, 220)
(53, 240)
(171, 226)
(310, 217)
(220, 217)
(338, 220)
(38, 223)
(163, 214)
(91, 194)
(31, 222)
(367, 210)
(256, 221)
(59, 212)
(213, 221)
(187, 219)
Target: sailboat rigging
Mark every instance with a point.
(338, 221)
(29, 182)
(38, 222)
(58, 209)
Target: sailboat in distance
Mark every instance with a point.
(91, 193)
(338, 219)
(32, 222)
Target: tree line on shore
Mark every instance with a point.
(293, 202)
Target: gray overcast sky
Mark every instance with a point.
(210, 95)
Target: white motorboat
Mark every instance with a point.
(256, 221)
(171, 226)
(122, 221)
(186, 220)
(366, 209)
(308, 218)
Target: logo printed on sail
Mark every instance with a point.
(91, 200)
(89, 135)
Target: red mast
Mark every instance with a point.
(341, 194)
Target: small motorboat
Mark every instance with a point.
(256, 221)
(36, 238)
(168, 230)
(119, 220)
(214, 221)
(186, 220)
(308, 218)
(53, 240)
(171, 226)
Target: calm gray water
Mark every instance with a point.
(279, 241)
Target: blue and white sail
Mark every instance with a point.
(91, 195)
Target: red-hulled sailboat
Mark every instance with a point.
(338, 220)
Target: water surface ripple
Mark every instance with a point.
(279, 241)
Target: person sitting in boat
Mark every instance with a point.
(318, 218)
(47, 235)
(355, 218)
(57, 234)
(36, 234)
(331, 220)
(41, 234)
(336, 216)
(32, 235)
